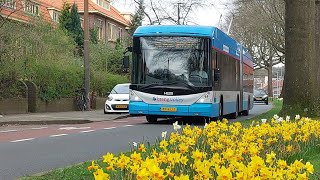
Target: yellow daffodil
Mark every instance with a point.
(142, 148)
(181, 177)
(108, 158)
(309, 167)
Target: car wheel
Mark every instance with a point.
(267, 102)
(152, 119)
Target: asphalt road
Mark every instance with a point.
(28, 150)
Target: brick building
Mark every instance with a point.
(108, 21)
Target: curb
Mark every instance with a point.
(50, 122)
(45, 122)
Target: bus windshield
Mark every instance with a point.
(173, 59)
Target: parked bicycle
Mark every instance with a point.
(81, 99)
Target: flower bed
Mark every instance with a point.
(219, 151)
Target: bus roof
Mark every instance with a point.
(221, 41)
(178, 30)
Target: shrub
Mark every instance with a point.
(103, 82)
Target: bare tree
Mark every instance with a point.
(171, 11)
(7, 9)
(259, 25)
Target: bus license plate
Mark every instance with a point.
(167, 109)
(121, 106)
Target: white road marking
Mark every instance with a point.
(13, 130)
(129, 125)
(109, 128)
(20, 140)
(87, 131)
(73, 128)
(58, 135)
(39, 128)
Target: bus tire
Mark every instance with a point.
(151, 119)
(220, 117)
(246, 112)
(235, 114)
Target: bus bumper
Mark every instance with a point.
(197, 109)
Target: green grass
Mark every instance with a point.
(80, 171)
(277, 105)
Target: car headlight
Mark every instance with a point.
(109, 98)
(265, 96)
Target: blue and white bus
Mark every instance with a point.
(181, 71)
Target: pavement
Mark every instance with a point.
(72, 117)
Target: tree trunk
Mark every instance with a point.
(317, 39)
(300, 72)
(270, 87)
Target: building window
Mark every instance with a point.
(103, 3)
(82, 23)
(113, 32)
(99, 29)
(8, 3)
(55, 16)
(120, 34)
(32, 8)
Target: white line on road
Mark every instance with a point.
(20, 140)
(109, 128)
(58, 135)
(13, 130)
(39, 128)
(87, 131)
(129, 125)
(73, 128)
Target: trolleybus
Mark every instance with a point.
(195, 71)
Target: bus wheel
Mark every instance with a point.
(246, 112)
(151, 119)
(220, 117)
(235, 114)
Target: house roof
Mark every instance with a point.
(93, 8)
(19, 14)
(46, 5)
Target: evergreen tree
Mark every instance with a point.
(69, 21)
(137, 17)
(65, 17)
(75, 26)
(93, 35)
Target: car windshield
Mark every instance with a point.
(259, 92)
(174, 59)
(120, 89)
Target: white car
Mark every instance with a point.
(118, 99)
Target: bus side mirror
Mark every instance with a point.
(216, 74)
(125, 63)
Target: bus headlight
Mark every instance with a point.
(206, 98)
(134, 97)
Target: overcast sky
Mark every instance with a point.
(203, 16)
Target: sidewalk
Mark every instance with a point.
(73, 117)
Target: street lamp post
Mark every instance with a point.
(86, 54)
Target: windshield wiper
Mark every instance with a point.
(181, 82)
(151, 85)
